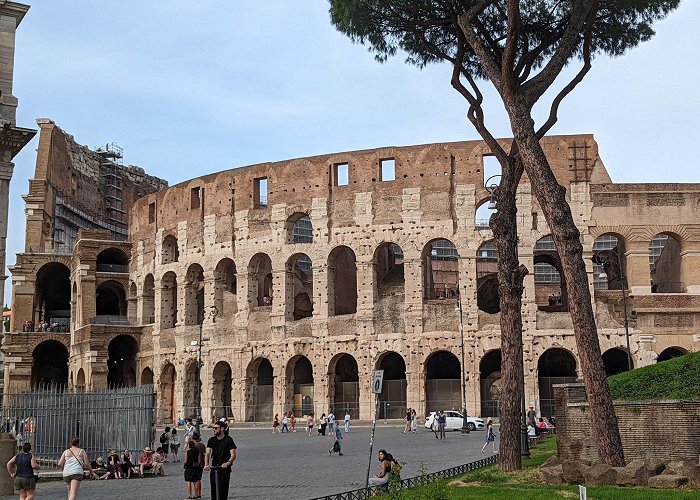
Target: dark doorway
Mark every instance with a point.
(221, 390)
(50, 365)
(122, 362)
(490, 375)
(392, 400)
(300, 385)
(555, 366)
(443, 386)
(615, 361)
(345, 386)
(670, 353)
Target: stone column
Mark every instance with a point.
(637, 267)
(690, 267)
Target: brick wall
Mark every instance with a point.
(666, 430)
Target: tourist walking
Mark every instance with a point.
(165, 440)
(338, 437)
(220, 455)
(275, 423)
(189, 430)
(309, 423)
(24, 465)
(285, 423)
(384, 476)
(414, 421)
(175, 445)
(292, 421)
(331, 422)
(193, 469)
(407, 425)
(442, 421)
(202, 449)
(73, 461)
(490, 436)
(323, 422)
(347, 421)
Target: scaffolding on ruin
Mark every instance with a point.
(111, 166)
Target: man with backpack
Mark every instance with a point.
(338, 435)
(165, 439)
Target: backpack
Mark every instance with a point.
(163, 438)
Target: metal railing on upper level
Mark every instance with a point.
(105, 319)
(112, 268)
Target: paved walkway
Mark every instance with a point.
(295, 466)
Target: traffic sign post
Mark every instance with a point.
(377, 389)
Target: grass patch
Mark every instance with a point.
(490, 483)
(677, 378)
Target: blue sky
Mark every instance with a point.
(198, 87)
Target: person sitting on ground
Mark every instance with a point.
(531, 430)
(114, 464)
(127, 465)
(542, 426)
(146, 461)
(99, 471)
(159, 458)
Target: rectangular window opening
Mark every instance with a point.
(388, 169)
(195, 198)
(341, 174)
(260, 192)
(492, 170)
(151, 213)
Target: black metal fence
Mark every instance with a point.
(102, 419)
(411, 482)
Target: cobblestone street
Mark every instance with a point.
(295, 466)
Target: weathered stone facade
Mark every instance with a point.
(307, 275)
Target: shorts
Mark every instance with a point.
(73, 477)
(193, 475)
(25, 483)
(174, 448)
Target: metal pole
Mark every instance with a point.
(623, 282)
(198, 423)
(371, 438)
(524, 438)
(465, 423)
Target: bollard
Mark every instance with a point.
(8, 449)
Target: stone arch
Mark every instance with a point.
(168, 300)
(52, 297)
(609, 262)
(554, 366)
(260, 286)
(388, 268)
(167, 401)
(225, 289)
(194, 295)
(300, 385)
(670, 353)
(344, 385)
(110, 300)
(443, 381)
(299, 228)
(80, 380)
(112, 260)
(550, 287)
(665, 269)
(484, 210)
(342, 281)
(487, 296)
(392, 399)
(299, 287)
(49, 364)
(616, 361)
(148, 301)
(490, 381)
(147, 376)
(260, 390)
(440, 262)
(169, 251)
(222, 379)
(121, 361)
(190, 389)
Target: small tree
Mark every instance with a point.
(521, 47)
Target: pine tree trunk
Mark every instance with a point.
(552, 199)
(510, 287)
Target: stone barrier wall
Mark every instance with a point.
(665, 430)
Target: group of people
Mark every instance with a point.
(289, 422)
(535, 425)
(411, 421)
(43, 326)
(327, 422)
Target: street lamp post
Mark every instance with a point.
(198, 374)
(465, 422)
(623, 283)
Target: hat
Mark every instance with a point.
(147, 450)
(112, 452)
(99, 460)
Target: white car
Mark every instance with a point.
(454, 421)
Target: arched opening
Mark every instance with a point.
(615, 361)
(483, 213)
(50, 365)
(166, 395)
(169, 252)
(344, 385)
(300, 385)
(80, 380)
(121, 362)
(440, 270)
(670, 353)
(665, 264)
(299, 287)
(392, 399)
(112, 260)
(190, 389)
(110, 303)
(225, 289)
(487, 297)
(147, 376)
(299, 229)
(148, 301)
(443, 382)
(194, 295)
(260, 287)
(168, 302)
(555, 366)
(608, 262)
(260, 390)
(550, 288)
(342, 282)
(52, 299)
(388, 268)
(221, 390)
(131, 304)
(490, 378)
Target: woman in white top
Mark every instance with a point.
(73, 461)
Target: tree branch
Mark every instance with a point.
(511, 48)
(486, 60)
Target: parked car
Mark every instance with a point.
(454, 421)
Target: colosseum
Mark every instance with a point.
(297, 279)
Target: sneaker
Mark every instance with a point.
(330, 452)
(340, 454)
